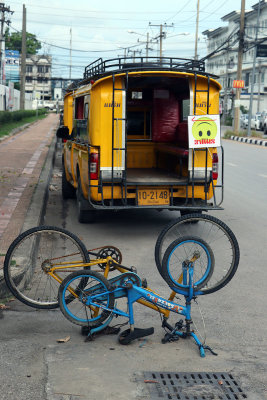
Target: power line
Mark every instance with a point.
(82, 51)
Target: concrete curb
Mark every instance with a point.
(259, 142)
(36, 211)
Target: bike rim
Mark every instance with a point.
(32, 257)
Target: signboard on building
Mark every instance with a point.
(238, 83)
(204, 131)
(12, 65)
(261, 50)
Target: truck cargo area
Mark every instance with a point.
(157, 144)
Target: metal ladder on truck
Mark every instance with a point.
(123, 150)
(207, 182)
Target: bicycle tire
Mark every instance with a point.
(76, 311)
(27, 257)
(183, 250)
(216, 234)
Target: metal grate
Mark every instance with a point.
(193, 386)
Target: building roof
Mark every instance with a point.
(214, 32)
(231, 16)
(235, 15)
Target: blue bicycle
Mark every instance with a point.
(188, 266)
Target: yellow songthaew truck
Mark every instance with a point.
(126, 133)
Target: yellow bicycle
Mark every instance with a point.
(39, 259)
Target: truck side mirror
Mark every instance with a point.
(63, 132)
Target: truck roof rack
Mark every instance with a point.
(100, 67)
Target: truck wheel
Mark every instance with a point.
(68, 191)
(186, 212)
(84, 214)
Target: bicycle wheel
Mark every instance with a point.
(90, 296)
(182, 251)
(30, 257)
(216, 234)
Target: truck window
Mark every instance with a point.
(185, 109)
(139, 124)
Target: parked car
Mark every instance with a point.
(255, 122)
(264, 127)
(262, 119)
(244, 121)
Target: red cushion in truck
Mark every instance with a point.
(165, 118)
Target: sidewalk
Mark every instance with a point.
(22, 159)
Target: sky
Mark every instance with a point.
(105, 28)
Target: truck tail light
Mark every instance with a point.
(93, 167)
(215, 166)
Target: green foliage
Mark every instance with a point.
(243, 109)
(228, 121)
(11, 116)
(256, 134)
(13, 42)
(228, 134)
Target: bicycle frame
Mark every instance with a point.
(134, 293)
(109, 261)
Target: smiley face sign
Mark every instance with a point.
(204, 131)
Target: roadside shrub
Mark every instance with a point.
(256, 134)
(228, 134)
(228, 121)
(13, 116)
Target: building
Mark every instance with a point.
(10, 98)
(224, 42)
(38, 76)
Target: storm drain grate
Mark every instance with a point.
(193, 386)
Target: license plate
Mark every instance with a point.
(153, 197)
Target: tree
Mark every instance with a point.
(13, 42)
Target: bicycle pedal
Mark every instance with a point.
(179, 325)
(109, 330)
(128, 336)
(168, 337)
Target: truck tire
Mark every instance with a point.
(85, 215)
(68, 191)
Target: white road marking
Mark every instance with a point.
(231, 164)
(263, 176)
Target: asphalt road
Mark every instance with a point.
(36, 367)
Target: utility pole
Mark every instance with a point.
(147, 43)
(239, 65)
(23, 60)
(196, 37)
(253, 73)
(259, 86)
(225, 101)
(70, 51)
(3, 10)
(162, 35)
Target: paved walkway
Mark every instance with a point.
(22, 157)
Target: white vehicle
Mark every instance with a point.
(255, 122)
(262, 119)
(264, 125)
(244, 121)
